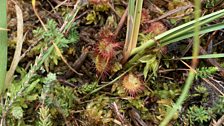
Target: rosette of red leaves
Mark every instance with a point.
(106, 49)
(105, 52)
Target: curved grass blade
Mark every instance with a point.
(204, 30)
(179, 31)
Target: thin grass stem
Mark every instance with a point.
(191, 75)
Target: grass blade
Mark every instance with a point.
(166, 36)
(220, 55)
(189, 26)
(3, 44)
(204, 30)
(191, 74)
(19, 44)
(133, 29)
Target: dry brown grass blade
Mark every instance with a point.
(220, 122)
(121, 23)
(64, 60)
(171, 13)
(78, 63)
(35, 11)
(19, 44)
(123, 121)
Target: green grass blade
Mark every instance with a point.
(133, 25)
(220, 55)
(130, 23)
(204, 30)
(189, 26)
(180, 99)
(3, 44)
(137, 19)
(191, 75)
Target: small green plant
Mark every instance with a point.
(212, 3)
(17, 112)
(15, 104)
(205, 72)
(197, 115)
(97, 111)
(54, 35)
(151, 64)
(86, 88)
(95, 16)
(45, 117)
(202, 92)
(201, 89)
(217, 109)
(26, 88)
(58, 99)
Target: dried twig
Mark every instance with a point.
(112, 8)
(119, 116)
(136, 117)
(170, 13)
(219, 122)
(30, 47)
(78, 62)
(121, 23)
(66, 83)
(63, 59)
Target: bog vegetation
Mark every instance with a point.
(112, 63)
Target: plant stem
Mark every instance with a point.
(130, 23)
(133, 24)
(196, 44)
(3, 44)
(137, 19)
(180, 100)
(190, 78)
